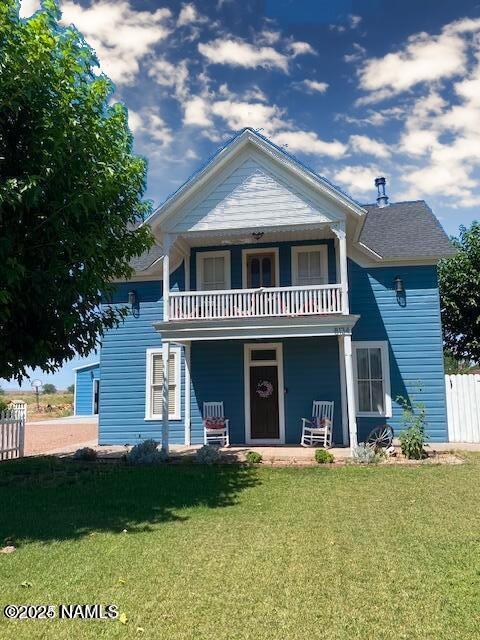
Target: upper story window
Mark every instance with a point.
(309, 265)
(213, 270)
(372, 377)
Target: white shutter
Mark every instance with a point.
(156, 393)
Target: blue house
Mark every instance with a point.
(267, 276)
(86, 400)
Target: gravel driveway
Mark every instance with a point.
(60, 435)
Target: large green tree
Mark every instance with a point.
(460, 296)
(71, 193)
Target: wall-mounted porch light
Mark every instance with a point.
(398, 286)
(133, 298)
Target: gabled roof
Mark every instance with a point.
(405, 230)
(220, 158)
(86, 366)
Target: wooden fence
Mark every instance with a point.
(463, 407)
(12, 433)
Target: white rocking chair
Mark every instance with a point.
(220, 436)
(318, 435)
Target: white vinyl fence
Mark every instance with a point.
(12, 431)
(463, 407)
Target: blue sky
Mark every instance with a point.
(354, 89)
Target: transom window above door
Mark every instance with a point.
(213, 270)
(309, 265)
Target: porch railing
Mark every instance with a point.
(256, 303)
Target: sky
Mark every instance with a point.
(353, 89)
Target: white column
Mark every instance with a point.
(339, 231)
(343, 391)
(188, 379)
(166, 278)
(187, 272)
(165, 394)
(349, 378)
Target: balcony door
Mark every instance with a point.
(260, 269)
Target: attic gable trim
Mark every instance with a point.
(248, 136)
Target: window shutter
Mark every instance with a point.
(157, 384)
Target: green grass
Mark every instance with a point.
(243, 552)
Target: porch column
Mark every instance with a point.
(165, 394)
(187, 272)
(339, 231)
(188, 378)
(349, 383)
(343, 391)
(168, 241)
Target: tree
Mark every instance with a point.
(49, 388)
(71, 388)
(460, 296)
(71, 194)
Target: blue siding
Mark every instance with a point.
(311, 372)
(123, 368)
(414, 332)
(311, 365)
(285, 260)
(84, 389)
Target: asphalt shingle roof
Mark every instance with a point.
(143, 262)
(405, 230)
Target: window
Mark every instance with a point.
(372, 375)
(213, 270)
(309, 265)
(154, 389)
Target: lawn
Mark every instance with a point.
(234, 552)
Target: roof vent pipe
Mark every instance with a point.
(382, 198)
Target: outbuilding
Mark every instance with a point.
(87, 389)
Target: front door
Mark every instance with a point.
(264, 391)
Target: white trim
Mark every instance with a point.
(188, 388)
(343, 389)
(245, 254)
(95, 380)
(297, 249)
(278, 362)
(201, 255)
(249, 137)
(351, 400)
(75, 395)
(176, 351)
(85, 366)
(383, 346)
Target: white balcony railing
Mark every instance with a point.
(256, 303)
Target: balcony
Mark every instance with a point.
(288, 302)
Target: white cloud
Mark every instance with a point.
(354, 21)
(189, 15)
(242, 54)
(120, 35)
(359, 52)
(424, 59)
(171, 75)
(358, 179)
(197, 112)
(28, 7)
(148, 124)
(368, 146)
(257, 115)
(308, 142)
(301, 48)
(312, 86)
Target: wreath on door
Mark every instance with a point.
(264, 389)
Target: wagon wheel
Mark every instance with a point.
(380, 437)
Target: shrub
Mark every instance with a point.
(363, 454)
(3, 405)
(253, 457)
(146, 452)
(208, 454)
(87, 454)
(323, 457)
(412, 438)
(49, 388)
